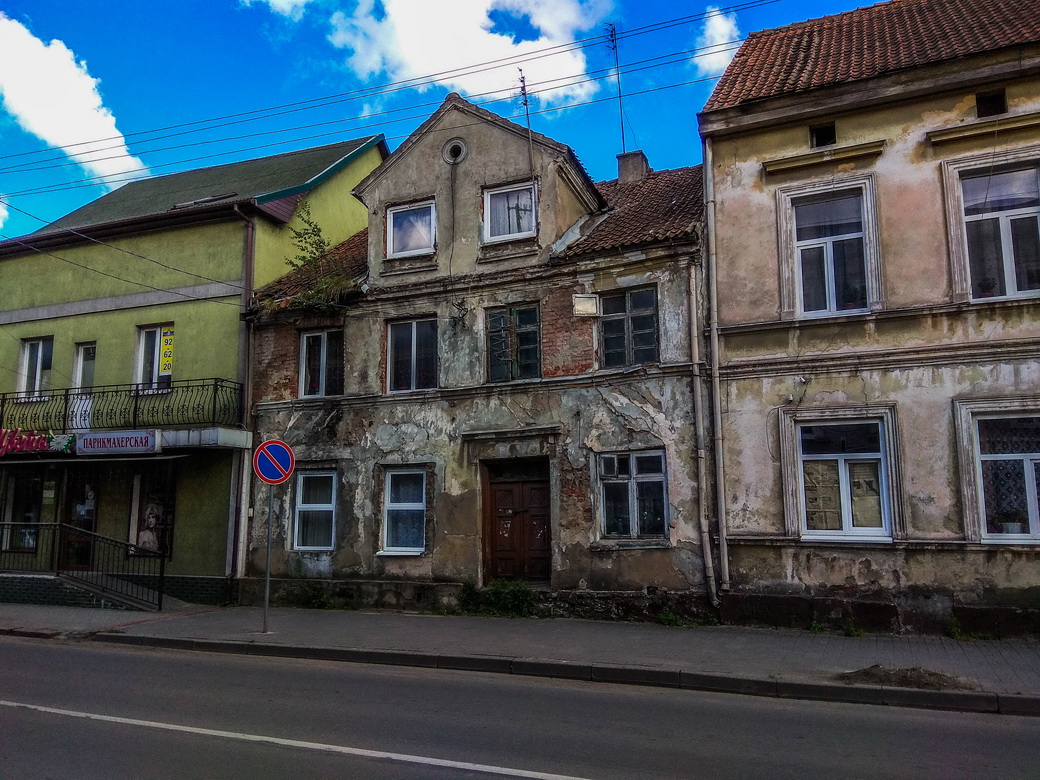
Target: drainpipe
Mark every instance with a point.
(716, 385)
(243, 488)
(698, 421)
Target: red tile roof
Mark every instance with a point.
(666, 205)
(870, 42)
(338, 270)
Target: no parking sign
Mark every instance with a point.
(273, 462)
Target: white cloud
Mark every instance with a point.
(406, 39)
(293, 9)
(716, 41)
(52, 96)
(3, 212)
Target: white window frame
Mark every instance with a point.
(154, 381)
(300, 506)
(892, 510)
(81, 349)
(632, 479)
(392, 210)
(414, 357)
(323, 370)
(953, 172)
(388, 474)
(789, 246)
(35, 388)
(967, 414)
(489, 193)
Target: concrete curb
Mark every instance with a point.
(957, 701)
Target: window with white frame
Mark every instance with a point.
(155, 356)
(36, 365)
(86, 361)
(510, 213)
(321, 363)
(633, 494)
(628, 327)
(828, 245)
(1002, 231)
(412, 360)
(842, 478)
(411, 230)
(404, 511)
(1009, 472)
(314, 515)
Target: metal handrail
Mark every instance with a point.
(110, 407)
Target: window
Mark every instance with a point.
(828, 248)
(411, 230)
(629, 328)
(1002, 230)
(633, 495)
(24, 497)
(321, 363)
(822, 135)
(86, 358)
(829, 242)
(314, 517)
(1009, 468)
(842, 478)
(155, 357)
(514, 339)
(36, 365)
(509, 213)
(991, 103)
(404, 511)
(413, 355)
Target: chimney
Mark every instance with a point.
(632, 166)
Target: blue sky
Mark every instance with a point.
(95, 93)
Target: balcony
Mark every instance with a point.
(184, 403)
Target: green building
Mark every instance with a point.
(123, 408)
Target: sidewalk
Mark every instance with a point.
(1004, 675)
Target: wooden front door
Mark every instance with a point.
(520, 544)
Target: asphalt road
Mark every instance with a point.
(82, 711)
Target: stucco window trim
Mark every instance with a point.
(966, 414)
(790, 277)
(953, 171)
(894, 511)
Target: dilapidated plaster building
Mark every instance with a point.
(873, 208)
(500, 381)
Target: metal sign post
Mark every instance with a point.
(273, 463)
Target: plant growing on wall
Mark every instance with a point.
(311, 244)
(323, 289)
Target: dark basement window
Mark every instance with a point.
(822, 135)
(990, 103)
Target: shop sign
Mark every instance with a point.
(17, 440)
(117, 443)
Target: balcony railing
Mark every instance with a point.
(106, 566)
(183, 403)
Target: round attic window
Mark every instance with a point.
(454, 151)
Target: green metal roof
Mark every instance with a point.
(263, 179)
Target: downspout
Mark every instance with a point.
(237, 552)
(698, 421)
(716, 385)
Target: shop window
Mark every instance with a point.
(510, 213)
(1002, 231)
(412, 363)
(314, 518)
(404, 511)
(628, 327)
(152, 509)
(514, 343)
(633, 495)
(155, 357)
(36, 365)
(411, 230)
(321, 363)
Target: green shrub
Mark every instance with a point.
(509, 598)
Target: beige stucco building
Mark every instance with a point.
(874, 242)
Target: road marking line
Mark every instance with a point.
(351, 751)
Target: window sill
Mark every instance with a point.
(400, 553)
(822, 156)
(845, 538)
(409, 265)
(314, 549)
(1011, 539)
(507, 249)
(989, 128)
(613, 545)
